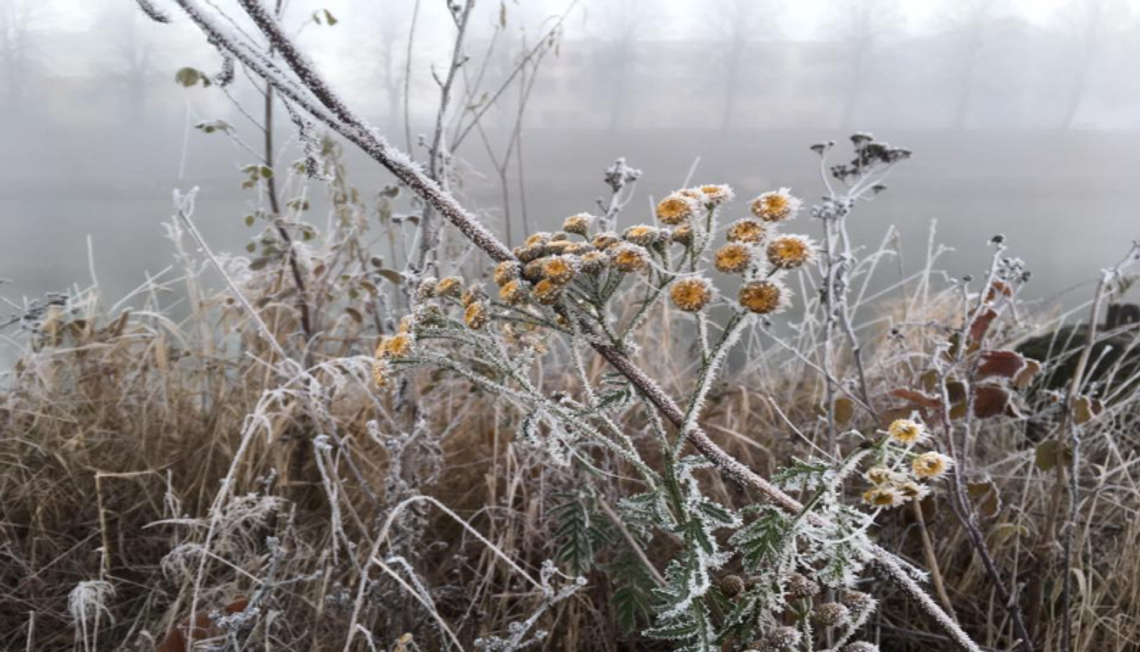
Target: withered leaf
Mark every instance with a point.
(1005, 364)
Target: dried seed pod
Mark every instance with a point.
(830, 614)
(731, 586)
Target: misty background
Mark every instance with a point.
(1024, 118)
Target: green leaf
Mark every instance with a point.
(761, 541)
(249, 221)
(266, 171)
(187, 76)
(329, 18)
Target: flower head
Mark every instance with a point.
(536, 239)
(475, 316)
(676, 209)
(692, 294)
(790, 251)
(683, 235)
(555, 247)
(513, 293)
(857, 600)
(905, 431)
(578, 224)
(450, 286)
(547, 291)
(776, 206)
(912, 490)
(605, 240)
(426, 289)
(732, 258)
(381, 373)
(628, 258)
(396, 346)
(474, 292)
(746, 230)
(506, 271)
(931, 465)
(880, 475)
(885, 496)
(593, 262)
(528, 253)
(716, 194)
(642, 234)
(764, 297)
(731, 586)
(800, 586)
(560, 270)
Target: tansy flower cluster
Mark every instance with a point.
(893, 480)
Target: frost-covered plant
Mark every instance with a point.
(596, 292)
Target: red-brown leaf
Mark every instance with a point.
(1005, 364)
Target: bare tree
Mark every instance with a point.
(18, 21)
(1091, 27)
(736, 29)
(970, 24)
(622, 25)
(861, 27)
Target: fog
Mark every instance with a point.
(1024, 119)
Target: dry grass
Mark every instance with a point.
(118, 428)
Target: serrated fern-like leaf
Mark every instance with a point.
(762, 541)
(580, 532)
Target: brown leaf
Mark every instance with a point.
(1005, 364)
(844, 410)
(1086, 409)
(888, 416)
(1049, 454)
(917, 398)
(982, 324)
(985, 497)
(990, 401)
(1025, 376)
(996, 288)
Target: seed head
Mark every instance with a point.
(578, 224)
(857, 601)
(780, 639)
(800, 586)
(579, 248)
(764, 297)
(732, 258)
(905, 431)
(860, 646)
(830, 614)
(475, 316)
(731, 586)
(790, 251)
(747, 230)
(532, 271)
(676, 208)
(629, 258)
(555, 247)
(931, 465)
(692, 294)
